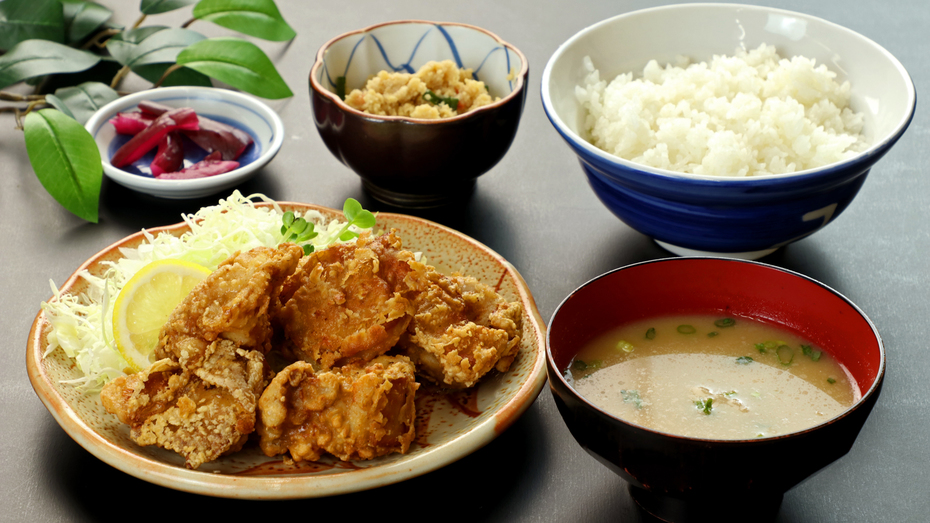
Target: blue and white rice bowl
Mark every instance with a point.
(746, 217)
(230, 107)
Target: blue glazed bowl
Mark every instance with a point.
(746, 217)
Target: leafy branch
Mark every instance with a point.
(75, 59)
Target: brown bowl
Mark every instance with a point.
(673, 476)
(411, 162)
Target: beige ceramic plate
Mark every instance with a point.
(448, 427)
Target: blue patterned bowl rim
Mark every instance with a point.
(517, 82)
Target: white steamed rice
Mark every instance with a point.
(749, 114)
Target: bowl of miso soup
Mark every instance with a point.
(712, 385)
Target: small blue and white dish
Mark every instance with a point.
(414, 162)
(223, 105)
(749, 217)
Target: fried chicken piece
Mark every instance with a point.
(232, 303)
(359, 411)
(348, 303)
(175, 409)
(200, 398)
(461, 330)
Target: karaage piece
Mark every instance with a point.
(200, 398)
(355, 412)
(175, 409)
(350, 302)
(461, 330)
(232, 303)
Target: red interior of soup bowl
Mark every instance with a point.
(718, 285)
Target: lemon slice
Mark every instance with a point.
(145, 303)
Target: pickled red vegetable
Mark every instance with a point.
(211, 136)
(183, 118)
(212, 165)
(131, 123)
(170, 155)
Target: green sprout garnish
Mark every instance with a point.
(686, 329)
(651, 333)
(744, 360)
(705, 405)
(298, 230)
(625, 346)
(725, 322)
(356, 216)
(436, 99)
(811, 352)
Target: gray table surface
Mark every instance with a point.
(535, 208)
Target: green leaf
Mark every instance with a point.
(30, 19)
(82, 101)
(32, 58)
(154, 7)
(365, 220)
(259, 18)
(59, 104)
(122, 45)
(151, 50)
(66, 161)
(238, 63)
(182, 76)
(351, 208)
(162, 47)
(81, 18)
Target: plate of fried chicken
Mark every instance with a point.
(292, 375)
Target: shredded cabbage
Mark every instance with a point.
(82, 325)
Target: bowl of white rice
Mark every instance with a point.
(726, 129)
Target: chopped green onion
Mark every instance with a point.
(744, 360)
(730, 393)
(579, 365)
(831, 380)
(811, 352)
(625, 346)
(705, 405)
(686, 329)
(785, 354)
(632, 396)
(651, 333)
(725, 322)
(436, 99)
(341, 87)
(768, 345)
(711, 334)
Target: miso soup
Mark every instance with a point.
(712, 377)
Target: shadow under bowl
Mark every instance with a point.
(411, 162)
(673, 476)
(737, 217)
